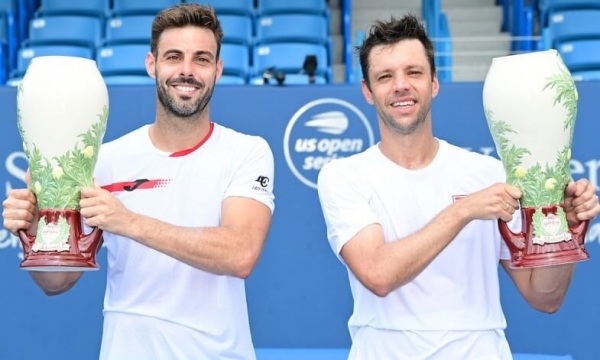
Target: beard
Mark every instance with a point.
(400, 128)
(184, 108)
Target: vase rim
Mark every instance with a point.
(529, 54)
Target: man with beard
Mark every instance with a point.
(423, 267)
(185, 205)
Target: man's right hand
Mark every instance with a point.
(20, 210)
(499, 201)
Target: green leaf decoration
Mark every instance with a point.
(541, 185)
(57, 182)
(565, 94)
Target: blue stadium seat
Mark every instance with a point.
(581, 55)
(236, 60)
(126, 59)
(129, 29)
(112, 80)
(574, 25)
(231, 80)
(269, 7)
(236, 29)
(26, 54)
(289, 58)
(592, 75)
(65, 30)
(139, 7)
(97, 8)
(292, 28)
(549, 7)
(235, 7)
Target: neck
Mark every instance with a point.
(411, 151)
(171, 133)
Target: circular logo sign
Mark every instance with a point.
(323, 130)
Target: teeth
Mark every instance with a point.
(185, 88)
(403, 103)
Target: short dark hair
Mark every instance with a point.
(390, 32)
(183, 15)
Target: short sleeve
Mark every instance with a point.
(345, 202)
(254, 172)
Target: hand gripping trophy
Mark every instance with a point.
(530, 102)
(62, 110)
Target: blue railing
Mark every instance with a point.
(438, 29)
(348, 45)
(517, 18)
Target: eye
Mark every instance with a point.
(383, 77)
(415, 72)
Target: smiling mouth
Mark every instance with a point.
(185, 88)
(403, 104)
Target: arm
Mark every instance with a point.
(20, 212)
(230, 249)
(545, 288)
(381, 266)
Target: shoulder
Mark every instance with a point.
(240, 141)
(348, 168)
(131, 140)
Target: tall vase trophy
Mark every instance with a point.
(530, 102)
(62, 110)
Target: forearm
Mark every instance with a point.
(549, 285)
(399, 262)
(55, 283)
(219, 250)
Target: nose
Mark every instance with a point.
(401, 82)
(186, 68)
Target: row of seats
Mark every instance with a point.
(572, 27)
(127, 7)
(125, 62)
(91, 31)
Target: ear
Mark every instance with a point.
(219, 69)
(435, 86)
(150, 65)
(366, 92)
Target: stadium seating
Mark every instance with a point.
(140, 7)
(581, 55)
(129, 29)
(237, 29)
(270, 7)
(289, 58)
(236, 60)
(98, 8)
(574, 25)
(65, 30)
(125, 59)
(309, 28)
(233, 7)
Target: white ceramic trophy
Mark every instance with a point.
(62, 111)
(530, 102)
